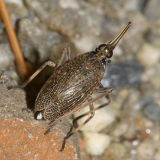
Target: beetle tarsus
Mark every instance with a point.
(47, 131)
(64, 141)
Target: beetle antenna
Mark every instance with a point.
(115, 41)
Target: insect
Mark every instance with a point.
(72, 83)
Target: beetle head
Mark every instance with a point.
(107, 49)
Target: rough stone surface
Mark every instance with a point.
(59, 16)
(16, 10)
(22, 136)
(6, 56)
(9, 77)
(23, 140)
(36, 41)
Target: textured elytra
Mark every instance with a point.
(69, 86)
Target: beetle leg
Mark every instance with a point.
(102, 89)
(92, 112)
(48, 63)
(97, 108)
(51, 125)
(108, 90)
(105, 92)
(73, 131)
(65, 56)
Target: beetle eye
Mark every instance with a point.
(109, 54)
(101, 47)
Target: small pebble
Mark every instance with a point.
(146, 150)
(148, 55)
(157, 155)
(152, 111)
(96, 143)
(120, 129)
(18, 2)
(115, 150)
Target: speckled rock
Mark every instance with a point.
(115, 151)
(152, 11)
(86, 20)
(21, 130)
(30, 142)
(125, 74)
(9, 77)
(36, 41)
(16, 9)
(6, 56)
(145, 150)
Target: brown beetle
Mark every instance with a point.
(73, 83)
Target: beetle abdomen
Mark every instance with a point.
(69, 86)
(74, 94)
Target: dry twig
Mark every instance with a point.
(13, 40)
